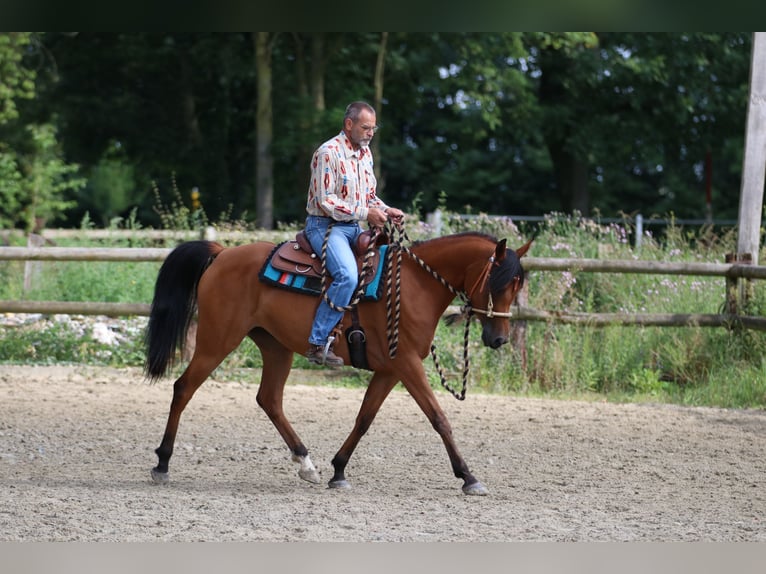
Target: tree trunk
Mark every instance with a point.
(307, 120)
(264, 132)
(570, 172)
(378, 104)
(571, 179)
(318, 66)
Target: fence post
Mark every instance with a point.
(519, 328)
(754, 162)
(32, 268)
(737, 292)
(208, 233)
(639, 230)
(434, 219)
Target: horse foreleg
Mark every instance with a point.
(277, 362)
(378, 389)
(416, 383)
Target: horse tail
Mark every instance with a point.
(174, 303)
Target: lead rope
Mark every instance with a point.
(393, 296)
(393, 292)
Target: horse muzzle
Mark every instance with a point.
(492, 339)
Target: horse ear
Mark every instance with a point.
(522, 251)
(500, 250)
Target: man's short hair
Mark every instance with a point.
(355, 108)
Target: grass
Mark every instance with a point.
(690, 366)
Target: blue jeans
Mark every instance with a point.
(341, 266)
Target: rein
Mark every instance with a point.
(393, 295)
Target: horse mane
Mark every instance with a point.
(503, 273)
(478, 234)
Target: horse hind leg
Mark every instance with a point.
(277, 362)
(206, 358)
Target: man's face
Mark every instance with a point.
(361, 131)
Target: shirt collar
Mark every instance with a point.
(349, 149)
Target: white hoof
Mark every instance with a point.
(160, 477)
(308, 471)
(311, 476)
(475, 489)
(339, 484)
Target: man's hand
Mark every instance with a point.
(395, 215)
(377, 217)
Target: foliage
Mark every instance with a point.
(177, 214)
(521, 123)
(37, 180)
(110, 189)
(690, 365)
(46, 177)
(34, 176)
(62, 339)
(16, 81)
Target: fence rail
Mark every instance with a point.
(731, 271)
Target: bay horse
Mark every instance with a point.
(222, 285)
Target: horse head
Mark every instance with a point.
(495, 291)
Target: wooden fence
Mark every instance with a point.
(732, 272)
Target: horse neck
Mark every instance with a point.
(456, 257)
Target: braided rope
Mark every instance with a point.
(393, 296)
(393, 336)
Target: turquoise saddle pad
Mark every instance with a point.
(313, 285)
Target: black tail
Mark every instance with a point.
(174, 303)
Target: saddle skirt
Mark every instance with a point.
(294, 265)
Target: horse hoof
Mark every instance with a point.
(160, 477)
(339, 484)
(475, 489)
(310, 475)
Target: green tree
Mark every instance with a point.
(34, 177)
(498, 122)
(629, 123)
(16, 81)
(46, 178)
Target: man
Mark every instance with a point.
(342, 193)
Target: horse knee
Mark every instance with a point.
(260, 400)
(267, 401)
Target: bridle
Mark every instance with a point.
(481, 283)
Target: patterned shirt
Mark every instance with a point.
(342, 181)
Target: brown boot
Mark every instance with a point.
(316, 354)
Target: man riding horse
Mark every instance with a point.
(342, 193)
